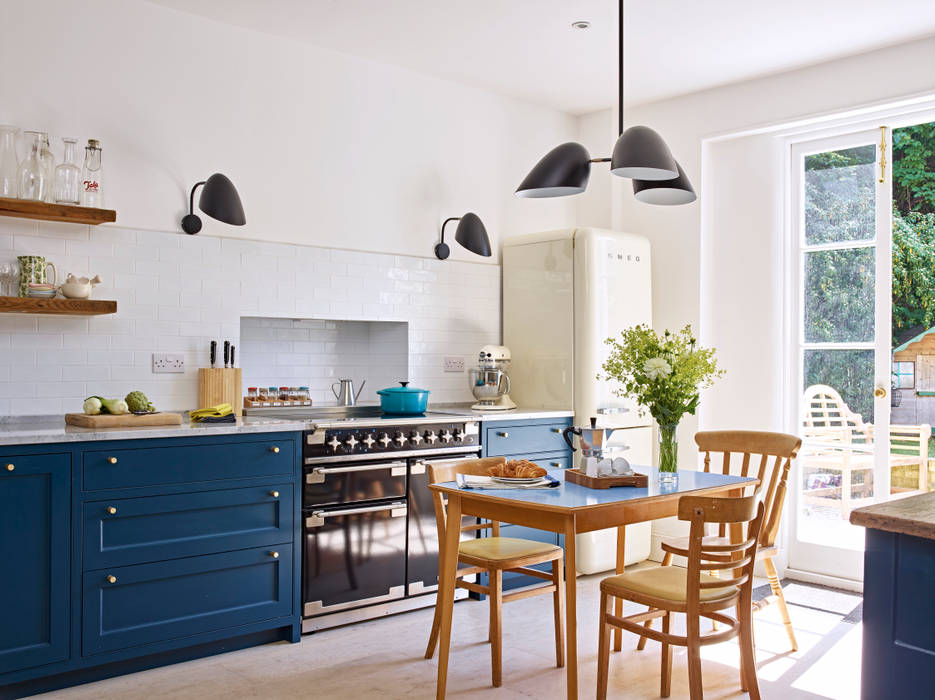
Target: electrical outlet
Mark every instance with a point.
(164, 362)
(454, 364)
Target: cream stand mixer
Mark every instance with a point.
(490, 382)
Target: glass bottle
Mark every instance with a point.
(304, 395)
(68, 175)
(31, 180)
(92, 192)
(251, 394)
(9, 162)
(48, 163)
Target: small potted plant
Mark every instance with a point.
(664, 375)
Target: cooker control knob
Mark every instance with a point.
(431, 437)
(447, 437)
(415, 438)
(334, 443)
(384, 440)
(352, 442)
(457, 435)
(369, 441)
(399, 438)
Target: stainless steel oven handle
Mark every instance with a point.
(317, 518)
(317, 475)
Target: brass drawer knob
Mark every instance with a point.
(111, 510)
(274, 494)
(111, 579)
(555, 464)
(556, 430)
(10, 467)
(274, 450)
(112, 460)
(504, 434)
(274, 555)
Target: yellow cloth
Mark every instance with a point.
(667, 582)
(219, 411)
(501, 548)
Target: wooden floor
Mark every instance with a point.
(383, 659)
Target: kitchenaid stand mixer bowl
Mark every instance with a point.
(490, 382)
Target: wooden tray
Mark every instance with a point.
(127, 420)
(605, 482)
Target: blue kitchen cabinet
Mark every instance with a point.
(35, 531)
(539, 441)
(129, 554)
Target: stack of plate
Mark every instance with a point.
(41, 291)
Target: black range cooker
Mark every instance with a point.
(370, 544)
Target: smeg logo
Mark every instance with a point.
(623, 257)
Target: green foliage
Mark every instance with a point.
(913, 271)
(664, 374)
(914, 168)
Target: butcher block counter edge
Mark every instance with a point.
(914, 515)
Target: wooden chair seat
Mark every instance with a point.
(497, 550)
(668, 583)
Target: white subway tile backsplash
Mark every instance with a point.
(175, 293)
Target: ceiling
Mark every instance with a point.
(528, 49)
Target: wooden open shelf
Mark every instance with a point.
(60, 307)
(26, 209)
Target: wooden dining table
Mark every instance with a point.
(567, 509)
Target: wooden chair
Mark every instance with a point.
(693, 591)
(773, 476)
(495, 555)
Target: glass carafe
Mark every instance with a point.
(32, 180)
(48, 162)
(9, 161)
(68, 175)
(92, 192)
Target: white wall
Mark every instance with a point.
(325, 149)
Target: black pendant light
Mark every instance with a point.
(678, 190)
(470, 233)
(219, 200)
(562, 171)
(640, 153)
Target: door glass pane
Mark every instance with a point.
(839, 296)
(840, 196)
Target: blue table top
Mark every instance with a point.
(572, 496)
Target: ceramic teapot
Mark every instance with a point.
(78, 287)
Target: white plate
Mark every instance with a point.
(516, 479)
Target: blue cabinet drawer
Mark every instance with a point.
(126, 531)
(129, 606)
(551, 460)
(35, 550)
(115, 468)
(523, 439)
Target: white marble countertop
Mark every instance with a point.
(32, 430)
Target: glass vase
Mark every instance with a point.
(68, 175)
(33, 180)
(668, 453)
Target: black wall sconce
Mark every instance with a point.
(219, 200)
(470, 233)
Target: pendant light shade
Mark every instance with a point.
(641, 153)
(470, 233)
(219, 200)
(562, 171)
(678, 190)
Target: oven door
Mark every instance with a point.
(354, 556)
(352, 482)
(422, 570)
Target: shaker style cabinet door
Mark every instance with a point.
(34, 550)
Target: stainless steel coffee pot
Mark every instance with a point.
(591, 440)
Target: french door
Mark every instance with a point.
(841, 215)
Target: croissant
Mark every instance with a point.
(517, 468)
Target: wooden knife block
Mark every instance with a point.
(220, 385)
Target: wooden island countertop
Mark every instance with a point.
(914, 515)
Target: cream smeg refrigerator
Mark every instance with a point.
(564, 292)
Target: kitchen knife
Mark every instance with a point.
(214, 353)
(232, 355)
(227, 352)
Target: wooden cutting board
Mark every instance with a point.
(127, 420)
